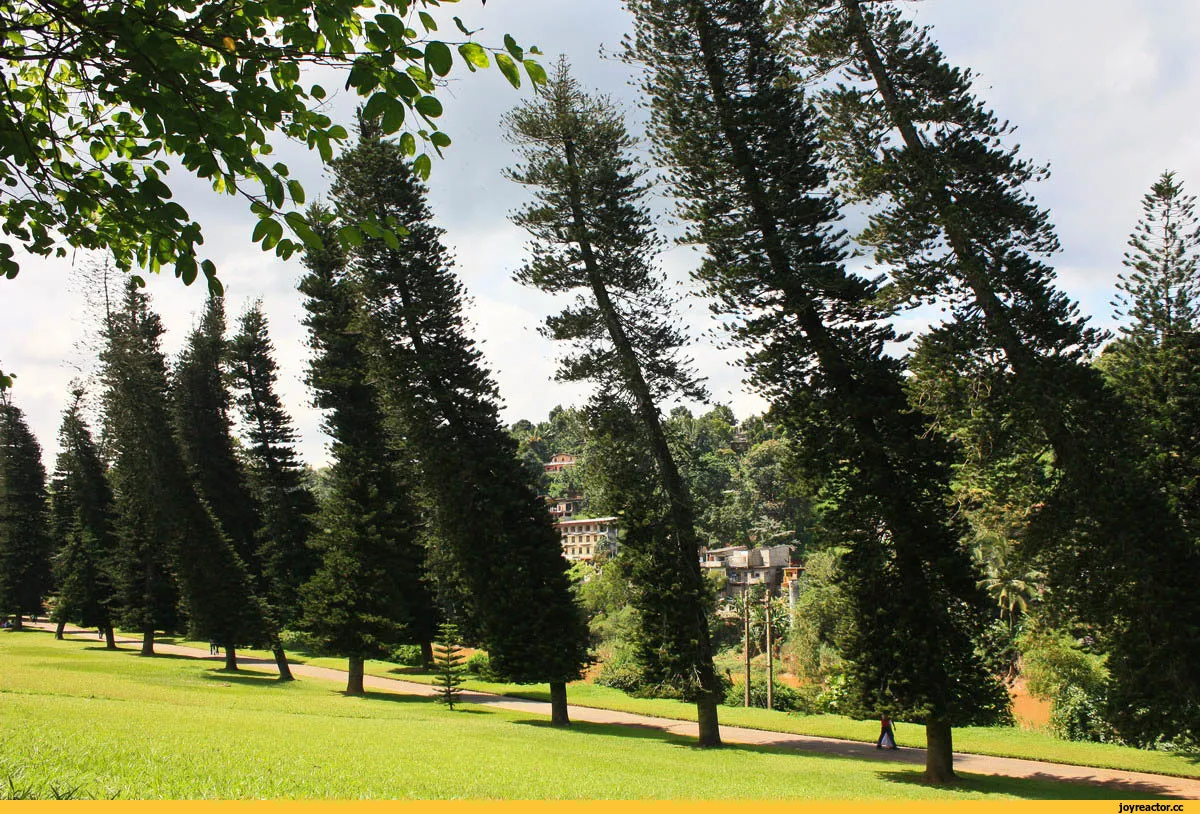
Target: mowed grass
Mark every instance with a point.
(998, 741)
(73, 715)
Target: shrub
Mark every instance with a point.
(621, 672)
(408, 655)
(479, 664)
(785, 698)
(298, 640)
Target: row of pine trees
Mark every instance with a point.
(766, 117)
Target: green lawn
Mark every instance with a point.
(1000, 741)
(74, 716)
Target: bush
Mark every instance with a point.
(621, 673)
(407, 655)
(298, 640)
(1077, 715)
(784, 697)
(480, 665)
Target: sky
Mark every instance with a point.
(1104, 92)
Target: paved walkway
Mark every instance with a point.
(1132, 783)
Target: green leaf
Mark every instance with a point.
(296, 190)
(429, 107)
(475, 55)
(427, 21)
(423, 166)
(440, 139)
(350, 236)
(393, 116)
(99, 150)
(438, 55)
(537, 74)
(511, 46)
(408, 144)
(509, 69)
(300, 226)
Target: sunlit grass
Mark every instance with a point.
(115, 724)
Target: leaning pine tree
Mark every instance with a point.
(81, 520)
(275, 477)
(367, 594)
(25, 542)
(200, 406)
(171, 554)
(741, 138)
(956, 225)
(489, 528)
(593, 237)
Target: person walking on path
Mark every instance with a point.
(887, 737)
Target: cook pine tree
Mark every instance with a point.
(740, 139)
(952, 217)
(82, 524)
(171, 555)
(274, 476)
(200, 402)
(593, 238)
(25, 541)
(367, 594)
(1154, 364)
(488, 530)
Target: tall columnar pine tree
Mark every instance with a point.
(82, 523)
(1155, 363)
(955, 224)
(486, 518)
(367, 594)
(200, 408)
(740, 136)
(170, 546)
(274, 475)
(25, 542)
(593, 237)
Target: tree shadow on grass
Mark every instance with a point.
(245, 679)
(1038, 787)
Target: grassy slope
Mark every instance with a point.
(72, 714)
(1000, 741)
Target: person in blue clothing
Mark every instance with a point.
(887, 736)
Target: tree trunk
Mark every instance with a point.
(354, 676)
(281, 662)
(706, 717)
(427, 654)
(939, 752)
(558, 704)
(230, 657)
(17, 623)
(147, 641)
(110, 638)
(58, 630)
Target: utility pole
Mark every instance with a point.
(770, 657)
(746, 620)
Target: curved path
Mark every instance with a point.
(1131, 783)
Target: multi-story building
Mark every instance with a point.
(559, 461)
(744, 567)
(563, 508)
(584, 538)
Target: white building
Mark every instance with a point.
(584, 538)
(744, 567)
